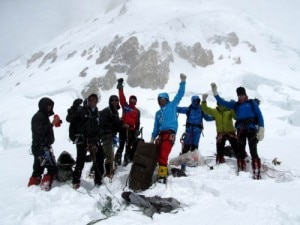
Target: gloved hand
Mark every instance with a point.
(120, 83)
(260, 133)
(152, 140)
(56, 121)
(204, 97)
(77, 102)
(214, 89)
(182, 77)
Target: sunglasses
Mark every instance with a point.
(114, 100)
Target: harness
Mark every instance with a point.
(167, 135)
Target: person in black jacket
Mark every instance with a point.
(89, 132)
(110, 125)
(42, 139)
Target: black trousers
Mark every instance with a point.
(38, 170)
(97, 157)
(244, 135)
(129, 136)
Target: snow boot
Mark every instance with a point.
(241, 163)
(98, 183)
(76, 186)
(162, 174)
(256, 165)
(46, 182)
(34, 181)
(220, 159)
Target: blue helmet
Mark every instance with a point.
(195, 100)
(163, 95)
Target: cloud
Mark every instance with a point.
(26, 25)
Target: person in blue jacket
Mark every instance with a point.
(165, 127)
(249, 125)
(194, 125)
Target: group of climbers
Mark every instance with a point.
(94, 131)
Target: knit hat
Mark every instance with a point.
(241, 91)
(132, 97)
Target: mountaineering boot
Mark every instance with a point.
(46, 182)
(76, 186)
(256, 165)
(118, 158)
(34, 181)
(241, 163)
(162, 174)
(97, 182)
(76, 179)
(220, 159)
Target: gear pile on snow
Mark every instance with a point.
(151, 205)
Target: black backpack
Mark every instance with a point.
(72, 118)
(65, 163)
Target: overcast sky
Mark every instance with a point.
(28, 24)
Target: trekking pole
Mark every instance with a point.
(111, 165)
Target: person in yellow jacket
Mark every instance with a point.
(224, 125)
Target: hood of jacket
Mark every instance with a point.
(43, 105)
(111, 99)
(194, 100)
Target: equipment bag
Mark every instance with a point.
(142, 169)
(65, 163)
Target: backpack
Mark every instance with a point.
(228, 151)
(72, 118)
(143, 166)
(252, 104)
(65, 163)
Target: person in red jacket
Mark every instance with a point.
(130, 129)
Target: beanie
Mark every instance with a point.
(132, 97)
(241, 91)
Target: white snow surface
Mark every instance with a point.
(207, 196)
